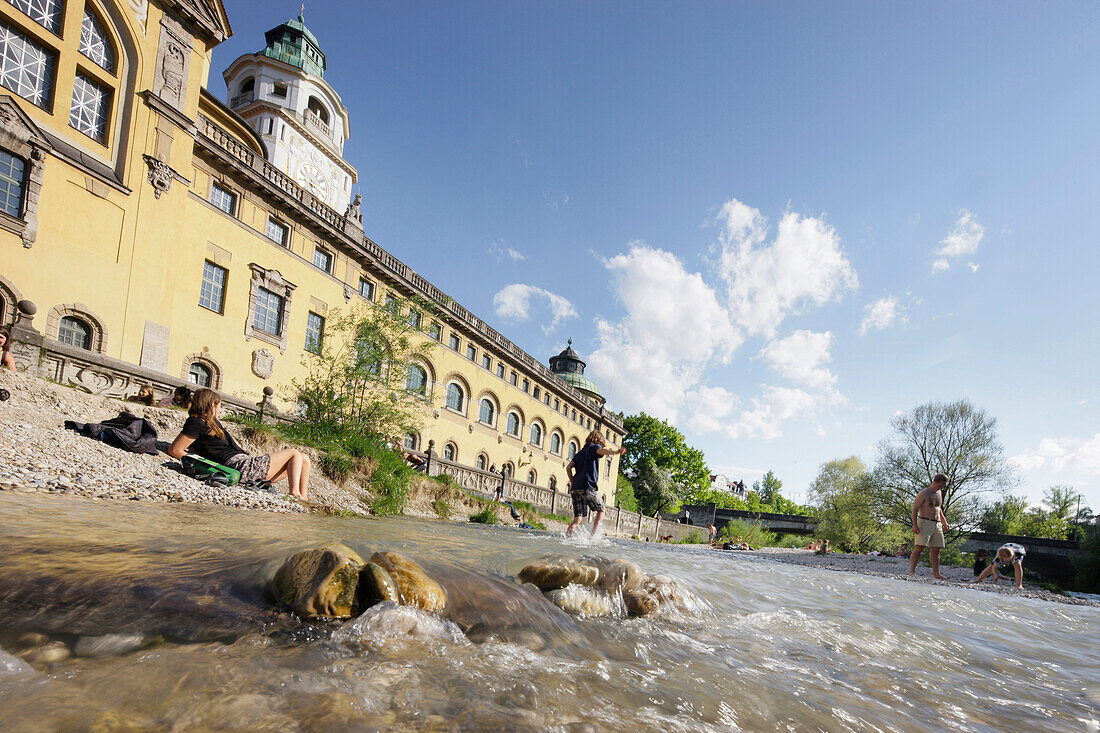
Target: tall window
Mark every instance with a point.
(392, 303)
(536, 434)
(435, 331)
(500, 371)
(513, 424)
(322, 260)
(94, 43)
(212, 292)
(515, 379)
(537, 392)
(47, 13)
(506, 470)
(486, 362)
(572, 450)
(277, 232)
(450, 452)
(526, 385)
(471, 352)
(531, 477)
(269, 312)
(488, 411)
(553, 485)
(12, 175)
(366, 288)
(455, 397)
(482, 461)
(417, 380)
(315, 332)
(223, 198)
(555, 444)
(199, 374)
(454, 343)
(411, 440)
(25, 67)
(90, 109)
(74, 332)
(414, 320)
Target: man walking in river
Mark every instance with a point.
(584, 474)
(929, 524)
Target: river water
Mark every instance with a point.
(767, 647)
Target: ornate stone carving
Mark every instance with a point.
(19, 135)
(161, 175)
(273, 281)
(348, 292)
(173, 60)
(263, 363)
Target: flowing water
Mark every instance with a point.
(768, 647)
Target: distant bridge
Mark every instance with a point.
(702, 514)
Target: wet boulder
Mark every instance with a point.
(416, 587)
(320, 582)
(583, 601)
(621, 575)
(376, 585)
(640, 603)
(554, 573)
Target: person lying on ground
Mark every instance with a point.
(411, 459)
(812, 546)
(1009, 561)
(204, 435)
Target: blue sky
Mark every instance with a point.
(775, 224)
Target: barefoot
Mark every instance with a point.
(939, 577)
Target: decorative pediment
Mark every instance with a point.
(18, 133)
(206, 16)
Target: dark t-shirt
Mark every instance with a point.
(587, 469)
(208, 445)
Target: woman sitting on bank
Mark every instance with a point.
(205, 435)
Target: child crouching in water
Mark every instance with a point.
(204, 434)
(1009, 560)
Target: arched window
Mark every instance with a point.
(572, 449)
(536, 434)
(199, 374)
(506, 470)
(555, 444)
(513, 424)
(95, 44)
(456, 399)
(531, 476)
(482, 461)
(417, 380)
(248, 86)
(488, 411)
(553, 483)
(450, 452)
(74, 332)
(412, 440)
(315, 106)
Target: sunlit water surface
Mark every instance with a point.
(771, 647)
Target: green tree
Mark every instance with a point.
(655, 490)
(656, 440)
(364, 375)
(843, 496)
(769, 488)
(956, 439)
(624, 494)
(1004, 516)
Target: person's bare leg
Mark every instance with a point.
(984, 574)
(573, 527)
(596, 523)
(303, 482)
(914, 558)
(288, 462)
(934, 556)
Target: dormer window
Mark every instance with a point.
(247, 86)
(317, 109)
(279, 90)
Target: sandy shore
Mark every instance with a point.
(898, 568)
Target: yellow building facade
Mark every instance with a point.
(165, 238)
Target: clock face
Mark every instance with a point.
(310, 178)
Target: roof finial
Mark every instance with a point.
(302, 14)
(570, 342)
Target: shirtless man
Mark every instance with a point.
(929, 524)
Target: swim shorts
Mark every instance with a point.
(585, 500)
(930, 534)
(252, 468)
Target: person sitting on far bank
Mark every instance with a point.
(823, 548)
(904, 551)
(180, 397)
(144, 396)
(812, 546)
(6, 360)
(980, 562)
(204, 435)
(413, 461)
(1008, 562)
(584, 473)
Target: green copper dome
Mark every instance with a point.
(579, 381)
(569, 368)
(294, 44)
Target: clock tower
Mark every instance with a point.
(282, 93)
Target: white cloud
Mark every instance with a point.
(800, 358)
(513, 302)
(498, 250)
(1062, 455)
(884, 313)
(767, 282)
(557, 202)
(678, 324)
(973, 266)
(961, 241)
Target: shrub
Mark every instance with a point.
(442, 508)
(536, 524)
(751, 532)
(695, 537)
(793, 540)
(488, 515)
(337, 467)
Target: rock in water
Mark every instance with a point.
(621, 574)
(55, 651)
(639, 603)
(417, 589)
(376, 585)
(108, 645)
(321, 582)
(557, 573)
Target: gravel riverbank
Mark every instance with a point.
(898, 568)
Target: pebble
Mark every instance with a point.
(108, 645)
(55, 651)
